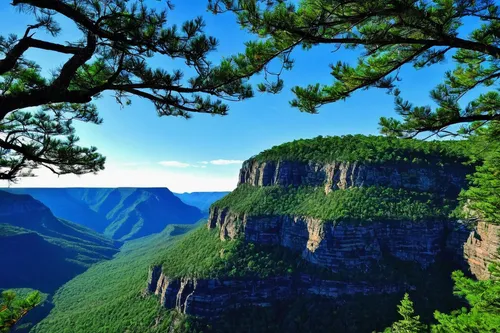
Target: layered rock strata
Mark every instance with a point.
(211, 297)
(482, 249)
(446, 179)
(361, 247)
(346, 245)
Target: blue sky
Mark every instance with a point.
(145, 150)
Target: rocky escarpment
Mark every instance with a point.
(385, 252)
(482, 249)
(212, 297)
(446, 179)
(347, 245)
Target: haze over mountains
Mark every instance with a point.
(201, 200)
(42, 251)
(120, 213)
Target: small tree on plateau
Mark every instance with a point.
(392, 34)
(118, 38)
(409, 323)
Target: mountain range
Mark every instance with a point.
(41, 251)
(201, 200)
(120, 213)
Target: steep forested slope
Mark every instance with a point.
(66, 204)
(108, 297)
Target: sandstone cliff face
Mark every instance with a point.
(341, 175)
(343, 246)
(481, 249)
(211, 297)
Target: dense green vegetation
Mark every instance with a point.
(356, 204)
(13, 307)
(60, 258)
(108, 297)
(410, 323)
(373, 149)
(480, 201)
(482, 198)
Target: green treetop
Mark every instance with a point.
(117, 39)
(392, 34)
(410, 323)
(482, 198)
(13, 308)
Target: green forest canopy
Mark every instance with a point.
(374, 149)
(360, 205)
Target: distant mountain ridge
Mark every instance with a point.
(120, 213)
(41, 251)
(202, 200)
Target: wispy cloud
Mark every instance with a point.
(202, 164)
(174, 164)
(225, 162)
(133, 164)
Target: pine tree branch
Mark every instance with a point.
(452, 42)
(24, 44)
(458, 120)
(71, 66)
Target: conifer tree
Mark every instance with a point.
(484, 301)
(410, 323)
(13, 308)
(118, 37)
(390, 34)
(482, 198)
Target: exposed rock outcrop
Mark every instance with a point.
(346, 245)
(211, 297)
(446, 179)
(482, 249)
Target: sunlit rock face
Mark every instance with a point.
(446, 179)
(482, 249)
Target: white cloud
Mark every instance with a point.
(225, 162)
(204, 162)
(174, 164)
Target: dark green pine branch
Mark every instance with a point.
(393, 34)
(118, 39)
